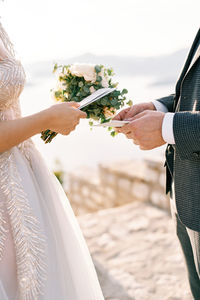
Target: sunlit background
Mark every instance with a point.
(145, 41)
(117, 194)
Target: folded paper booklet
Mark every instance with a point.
(95, 96)
(113, 123)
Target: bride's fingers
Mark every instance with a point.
(82, 114)
(73, 104)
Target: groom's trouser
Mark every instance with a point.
(190, 244)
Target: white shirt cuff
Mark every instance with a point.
(167, 128)
(159, 106)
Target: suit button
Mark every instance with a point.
(196, 154)
(169, 149)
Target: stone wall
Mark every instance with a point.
(116, 184)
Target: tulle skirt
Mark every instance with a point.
(70, 273)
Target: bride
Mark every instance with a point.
(43, 255)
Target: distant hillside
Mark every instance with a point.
(164, 68)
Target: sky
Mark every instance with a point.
(54, 29)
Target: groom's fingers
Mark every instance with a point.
(120, 116)
(117, 117)
(131, 112)
(137, 116)
(131, 126)
(136, 142)
(127, 128)
(117, 129)
(132, 123)
(130, 136)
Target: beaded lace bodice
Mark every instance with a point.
(28, 237)
(12, 79)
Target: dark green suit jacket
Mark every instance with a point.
(183, 158)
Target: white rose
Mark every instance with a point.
(109, 112)
(92, 90)
(61, 85)
(84, 70)
(105, 79)
(65, 71)
(104, 82)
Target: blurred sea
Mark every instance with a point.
(85, 147)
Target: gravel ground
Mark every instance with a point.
(136, 253)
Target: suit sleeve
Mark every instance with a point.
(186, 127)
(168, 102)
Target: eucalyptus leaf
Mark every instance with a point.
(114, 102)
(97, 69)
(99, 79)
(80, 84)
(130, 102)
(124, 91)
(104, 101)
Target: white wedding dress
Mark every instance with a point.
(43, 255)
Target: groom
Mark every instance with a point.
(175, 120)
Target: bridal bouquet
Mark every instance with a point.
(78, 81)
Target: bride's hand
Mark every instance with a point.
(64, 117)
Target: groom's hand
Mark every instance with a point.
(130, 112)
(145, 129)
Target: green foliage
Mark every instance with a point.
(99, 79)
(55, 68)
(113, 133)
(76, 88)
(81, 84)
(91, 123)
(58, 94)
(124, 91)
(130, 102)
(110, 72)
(98, 69)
